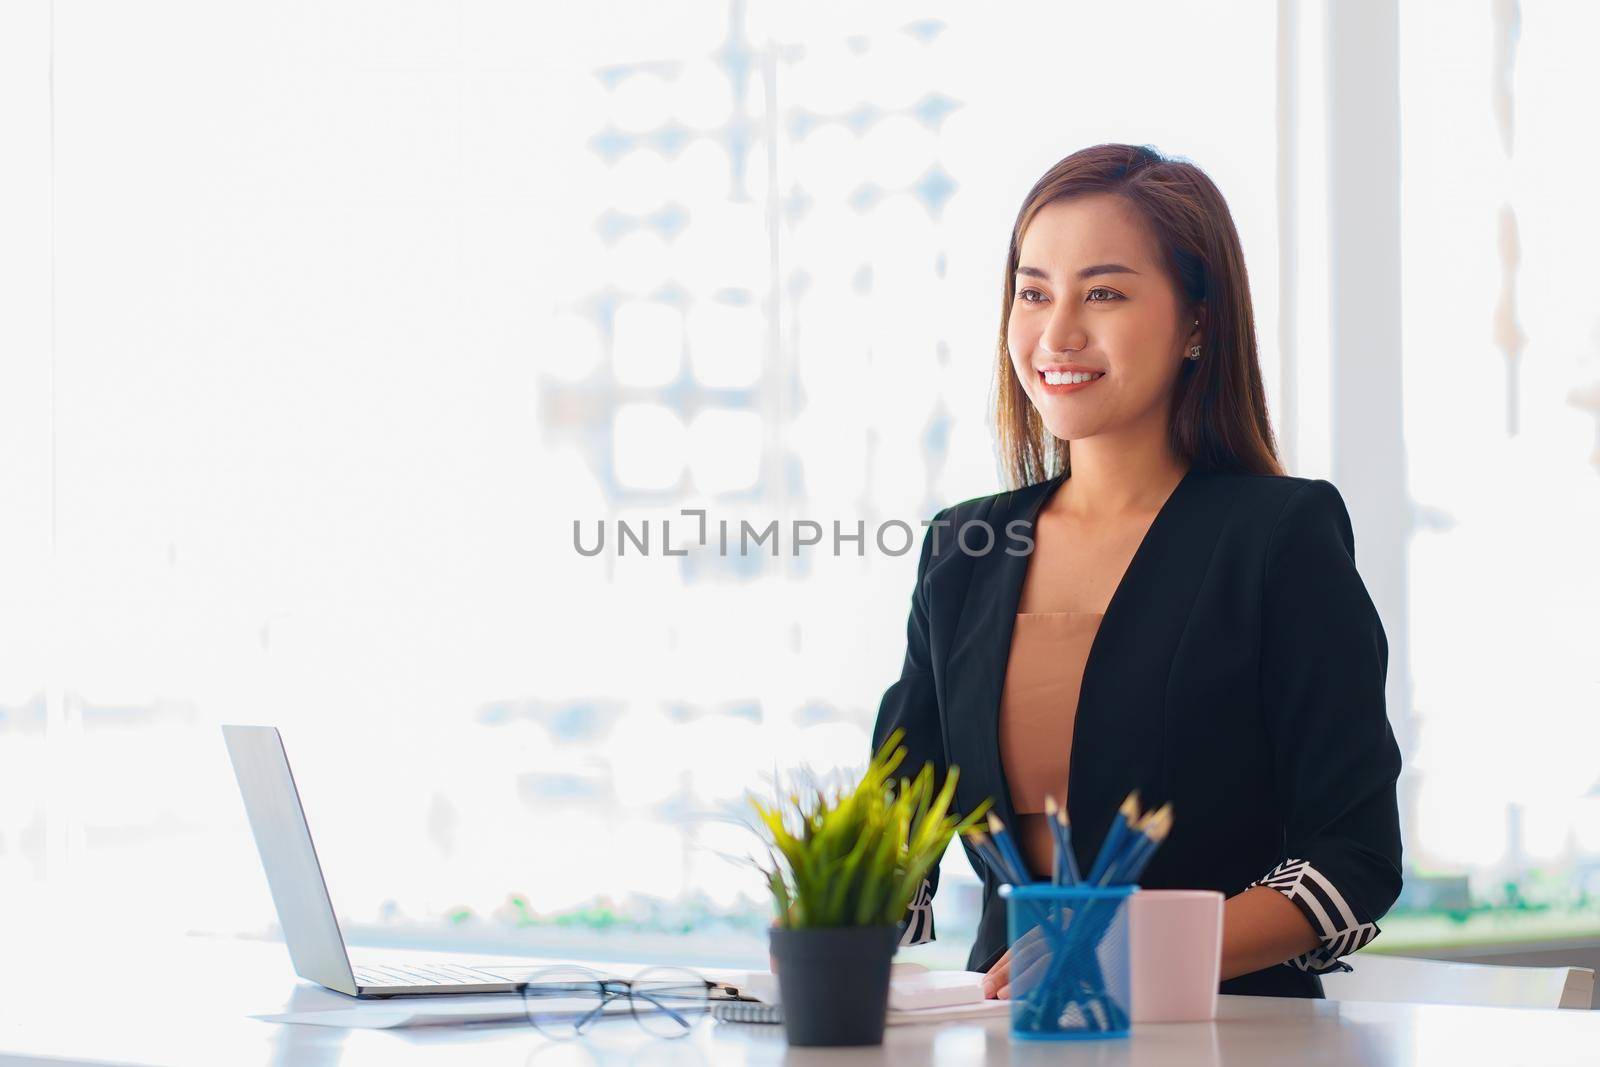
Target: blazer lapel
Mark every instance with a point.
(975, 671)
(1118, 738)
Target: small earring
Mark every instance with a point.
(1194, 353)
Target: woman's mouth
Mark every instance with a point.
(1068, 381)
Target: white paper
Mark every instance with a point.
(934, 989)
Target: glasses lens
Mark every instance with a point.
(564, 1002)
(668, 1001)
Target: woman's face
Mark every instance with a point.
(1091, 297)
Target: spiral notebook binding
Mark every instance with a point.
(746, 1011)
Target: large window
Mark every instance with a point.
(336, 319)
(1502, 394)
(358, 313)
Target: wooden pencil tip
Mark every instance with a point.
(1130, 806)
(995, 825)
(1161, 824)
(1049, 804)
(1061, 815)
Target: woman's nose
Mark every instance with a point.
(1062, 338)
(1063, 333)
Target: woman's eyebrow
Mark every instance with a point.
(1087, 272)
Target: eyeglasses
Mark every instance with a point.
(566, 1002)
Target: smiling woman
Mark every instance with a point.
(1188, 622)
(1142, 252)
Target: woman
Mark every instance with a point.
(1155, 606)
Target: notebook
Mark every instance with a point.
(916, 995)
(746, 1011)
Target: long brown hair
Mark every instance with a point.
(1219, 408)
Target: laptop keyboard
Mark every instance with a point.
(434, 974)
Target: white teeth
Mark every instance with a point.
(1052, 377)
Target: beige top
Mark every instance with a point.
(1038, 708)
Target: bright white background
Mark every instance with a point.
(321, 323)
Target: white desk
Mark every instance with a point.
(189, 1002)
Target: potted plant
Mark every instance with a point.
(845, 864)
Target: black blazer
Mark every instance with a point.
(1238, 673)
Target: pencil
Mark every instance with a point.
(1008, 848)
(1111, 849)
(980, 844)
(1154, 831)
(991, 857)
(1066, 839)
(1065, 870)
(1132, 843)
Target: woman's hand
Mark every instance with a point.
(1030, 955)
(997, 983)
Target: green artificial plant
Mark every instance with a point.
(856, 856)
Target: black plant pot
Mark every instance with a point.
(834, 982)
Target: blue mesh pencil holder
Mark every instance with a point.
(1069, 961)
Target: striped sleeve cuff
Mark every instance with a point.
(1330, 916)
(919, 917)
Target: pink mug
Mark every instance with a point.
(1175, 949)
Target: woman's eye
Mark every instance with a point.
(1108, 296)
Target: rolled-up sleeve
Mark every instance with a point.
(911, 703)
(1324, 659)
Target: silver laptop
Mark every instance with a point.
(295, 876)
